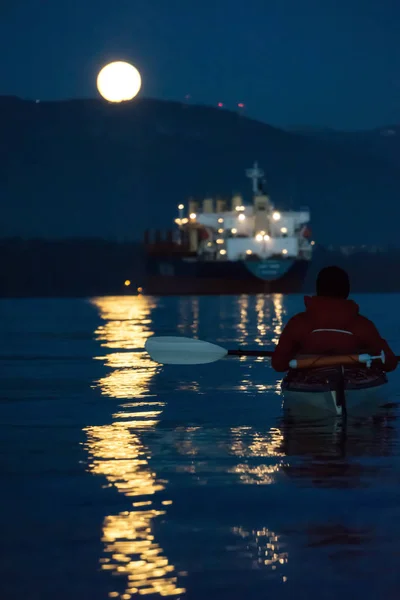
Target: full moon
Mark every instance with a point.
(118, 82)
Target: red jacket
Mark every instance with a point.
(301, 335)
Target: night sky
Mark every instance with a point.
(328, 63)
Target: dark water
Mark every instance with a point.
(121, 478)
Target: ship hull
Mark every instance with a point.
(177, 277)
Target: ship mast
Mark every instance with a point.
(255, 174)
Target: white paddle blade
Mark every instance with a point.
(183, 351)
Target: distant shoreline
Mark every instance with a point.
(81, 268)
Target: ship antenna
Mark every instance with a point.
(255, 174)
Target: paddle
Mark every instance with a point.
(171, 350)
(187, 351)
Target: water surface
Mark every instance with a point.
(122, 478)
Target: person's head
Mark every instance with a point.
(333, 282)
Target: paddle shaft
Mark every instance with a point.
(268, 353)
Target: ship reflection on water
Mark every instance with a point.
(118, 453)
(267, 313)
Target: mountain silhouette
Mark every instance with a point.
(86, 168)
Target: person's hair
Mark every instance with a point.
(333, 282)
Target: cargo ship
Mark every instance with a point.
(220, 247)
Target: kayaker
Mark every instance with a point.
(331, 324)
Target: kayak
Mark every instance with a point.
(352, 384)
(334, 390)
(313, 404)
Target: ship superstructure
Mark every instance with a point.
(217, 232)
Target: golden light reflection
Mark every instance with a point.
(127, 321)
(258, 474)
(268, 311)
(122, 458)
(242, 325)
(268, 550)
(277, 322)
(133, 372)
(267, 445)
(127, 325)
(262, 327)
(245, 441)
(118, 453)
(269, 318)
(277, 325)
